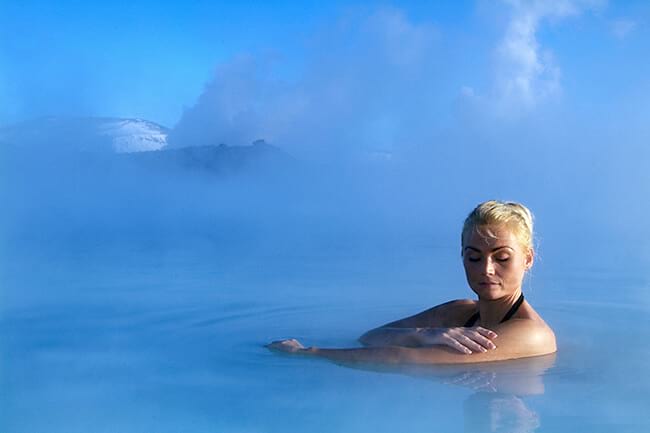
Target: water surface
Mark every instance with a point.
(132, 337)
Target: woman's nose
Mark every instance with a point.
(489, 267)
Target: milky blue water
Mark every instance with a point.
(135, 337)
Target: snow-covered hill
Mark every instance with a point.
(93, 134)
(134, 135)
(91, 142)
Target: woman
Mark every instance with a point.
(497, 251)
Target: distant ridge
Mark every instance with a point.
(216, 159)
(136, 142)
(87, 134)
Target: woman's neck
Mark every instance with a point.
(492, 311)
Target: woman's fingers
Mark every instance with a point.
(455, 344)
(472, 343)
(486, 332)
(290, 345)
(482, 338)
(469, 340)
(453, 340)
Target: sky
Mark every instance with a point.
(154, 60)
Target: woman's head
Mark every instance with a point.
(497, 248)
(493, 214)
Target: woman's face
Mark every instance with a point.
(495, 265)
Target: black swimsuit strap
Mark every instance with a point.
(472, 320)
(513, 310)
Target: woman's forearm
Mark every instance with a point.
(518, 338)
(370, 355)
(407, 337)
(390, 355)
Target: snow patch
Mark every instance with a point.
(87, 134)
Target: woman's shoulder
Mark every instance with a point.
(456, 312)
(457, 306)
(532, 336)
(442, 315)
(459, 303)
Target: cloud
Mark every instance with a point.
(367, 84)
(526, 72)
(233, 107)
(621, 28)
(381, 83)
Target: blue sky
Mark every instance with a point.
(154, 59)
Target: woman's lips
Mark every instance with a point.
(488, 283)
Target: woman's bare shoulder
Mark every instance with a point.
(447, 314)
(526, 336)
(459, 303)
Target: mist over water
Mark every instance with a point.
(580, 186)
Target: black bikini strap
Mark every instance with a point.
(514, 308)
(472, 320)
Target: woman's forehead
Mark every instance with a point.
(491, 235)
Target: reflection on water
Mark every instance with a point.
(499, 389)
(486, 412)
(499, 404)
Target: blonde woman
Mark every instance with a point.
(497, 251)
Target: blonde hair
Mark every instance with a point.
(493, 213)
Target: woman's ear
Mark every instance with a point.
(529, 259)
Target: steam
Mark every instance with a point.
(369, 84)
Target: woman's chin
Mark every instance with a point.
(489, 293)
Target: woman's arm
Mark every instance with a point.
(437, 325)
(518, 338)
(439, 316)
(464, 340)
(389, 336)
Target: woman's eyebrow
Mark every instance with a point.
(493, 249)
(501, 247)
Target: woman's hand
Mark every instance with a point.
(290, 345)
(464, 340)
